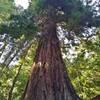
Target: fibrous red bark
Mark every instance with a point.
(49, 79)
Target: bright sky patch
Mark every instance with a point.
(23, 3)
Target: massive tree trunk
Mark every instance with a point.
(49, 79)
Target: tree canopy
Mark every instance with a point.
(74, 15)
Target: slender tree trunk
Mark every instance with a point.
(49, 79)
(19, 69)
(13, 84)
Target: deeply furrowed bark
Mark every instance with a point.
(49, 79)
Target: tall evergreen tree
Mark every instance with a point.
(49, 79)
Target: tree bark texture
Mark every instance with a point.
(49, 79)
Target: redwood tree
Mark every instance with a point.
(49, 79)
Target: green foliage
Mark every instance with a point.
(85, 69)
(7, 76)
(6, 7)
(73, 13)
(20, 24)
